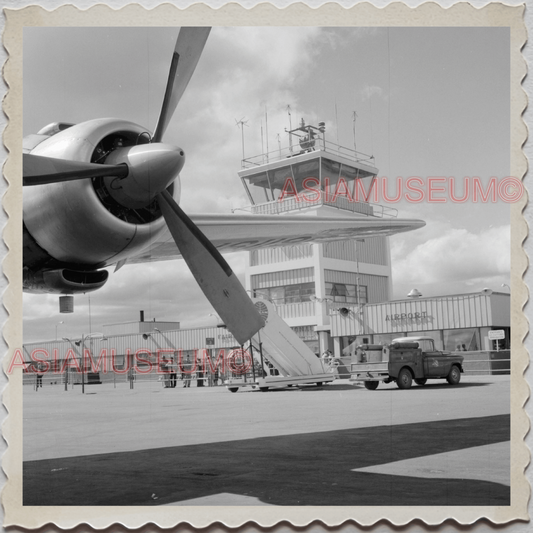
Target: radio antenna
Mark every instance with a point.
(336, 121)
(290, 127)
(241, 123)
(266, 130)
(354, 117)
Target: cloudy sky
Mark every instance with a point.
(429, 102)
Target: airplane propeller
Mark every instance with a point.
(40, 170)
(145, 172)
(189, 47)
(212, 273)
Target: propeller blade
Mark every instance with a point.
(215, 277)
(39, 170)
(189, 46)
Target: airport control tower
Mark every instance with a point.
(309, 282)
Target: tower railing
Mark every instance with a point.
(291, 203)
(294, 150)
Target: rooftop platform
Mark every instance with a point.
(309, 175)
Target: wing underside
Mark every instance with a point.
(232, 233)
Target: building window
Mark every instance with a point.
(288, 294)
(344, 292)
(436, 335)
(461, 340)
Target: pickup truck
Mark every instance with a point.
(404, 360)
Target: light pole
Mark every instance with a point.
(57, 325)
(82, 358)
(83, 339)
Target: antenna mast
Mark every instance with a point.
(354, 117)
(336, 121)
(242, 123)
(290, 127)
(262, 143)
(266, 130)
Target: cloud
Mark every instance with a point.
(457, 259)
(253, 73)
(372, 90)
(165, 291)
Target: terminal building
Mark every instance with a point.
(459, 322)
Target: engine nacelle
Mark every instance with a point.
(77, 222)
(64, 281)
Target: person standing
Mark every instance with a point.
(199, 374)
(186, 371)
(173, 374)
(327, 356)
(39, 377)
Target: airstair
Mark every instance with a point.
(295, 362)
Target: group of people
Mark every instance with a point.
(171, 373)
(171, 370)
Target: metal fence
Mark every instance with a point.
(476, 363)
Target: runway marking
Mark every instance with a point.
(486, 463)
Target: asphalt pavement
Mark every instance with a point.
(331, 445)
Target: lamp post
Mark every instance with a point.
(82, 358)
(83, 339)
(57, 325)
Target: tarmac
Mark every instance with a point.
(337, 444)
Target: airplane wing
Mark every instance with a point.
(234, 233)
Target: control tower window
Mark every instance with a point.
(278, 179)
(330, 174)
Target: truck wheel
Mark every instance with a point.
(405, 379)
(371, 385)
(263, 389)
(454, 376)
(233, 389)
(420, 381)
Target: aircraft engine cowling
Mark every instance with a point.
(95, 230)
(64, 281)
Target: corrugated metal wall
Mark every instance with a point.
(377, 286)
(280, 254)
(286, 277)
(431, 314)
(186, 339)
(452, 312)
(373, 251)
(296, 310)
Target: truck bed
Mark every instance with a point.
(369, 371)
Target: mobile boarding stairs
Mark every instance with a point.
(295, 362)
